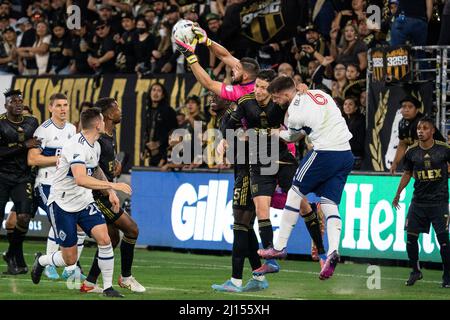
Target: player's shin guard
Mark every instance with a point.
(16, 244)
(266, 233)
(106, 264)
(313, 225)
(240, 249)
(412, 247)
(253, 246)
(127, 255)
(55, 259)
(445, 251)
(52, 246)
(289, 219)
(334, 224)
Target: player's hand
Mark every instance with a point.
(120, 186)
(201, 35)
(33, 143)
(302, 88)
(395, 202)
(393, 168)
(114, 201)
(187, 50)
(222, 147)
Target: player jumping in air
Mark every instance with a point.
(71, 202)
(323, 171)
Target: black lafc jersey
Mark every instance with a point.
(430, 171)
(13, 152)
(237, 157)
(262, 119)
(107, 155)
(407, 130)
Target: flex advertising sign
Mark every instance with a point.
(194, 211)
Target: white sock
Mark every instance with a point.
(259, 278)
(81, 235)
(55, 259)
(52, 246)
(289, 218)
(106, 264)
(334, 224)
(237, 282)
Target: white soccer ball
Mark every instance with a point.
(182, 31)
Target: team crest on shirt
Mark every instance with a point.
(62, 235)
(229, 88)
(76, 155)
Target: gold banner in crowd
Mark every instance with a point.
(130, 92)
(391, 64)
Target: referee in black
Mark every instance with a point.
(427, 160)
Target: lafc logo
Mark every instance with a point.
(429, 174)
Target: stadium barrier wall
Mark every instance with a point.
(194, 211)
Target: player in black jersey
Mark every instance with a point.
(407, 129)
(427, 161)
(16, 178)
(245, 242)
(262, 115)
(116, 220)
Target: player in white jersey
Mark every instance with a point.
(71, 202)
(323, 171)
(53, 133)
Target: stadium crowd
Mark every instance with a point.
(327, 51)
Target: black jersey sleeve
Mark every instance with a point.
(408, 164)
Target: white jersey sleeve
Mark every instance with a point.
(316, 114)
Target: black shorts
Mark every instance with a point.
(242, 197)
(265, 185)
(21, 194)
(105, 207)
(420, 218)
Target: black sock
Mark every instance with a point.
(95, 270)
(266, 233)
(412, 247)
(445, 252)
(16, 244)
(127, 255)
(240, 249)
(313, 226)
(9, 236)
(253, 246)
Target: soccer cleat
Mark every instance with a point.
(12, 269)
(131, 284)
(329, 266)
(413, 277)
(87, 288)
(36, 271)
(255, 285)
(51, 273)
(228, 286)
(267, 267)
(112, 293)
(446, 281)
(271, 253)
(72, 273)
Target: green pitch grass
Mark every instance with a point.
(169, 276)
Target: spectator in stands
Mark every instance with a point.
(164, 52)
(356, 123)
(8, 52)
(81, 41)
(340, 81)
(363, 101)
(126, 54)
(60, 50)
(26, 64)
(214, 24)
(355, 85)
(386, 25)
(314, 43)
(352, 49)
(152, 21)
(40, 49)
(286, 69)
(144, 45)
(160, 120)
(344, 17)
(412, 22)
(323, 14)
(105, 13)
(103, 58)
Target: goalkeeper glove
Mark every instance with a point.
(201, 35)
(187, 51)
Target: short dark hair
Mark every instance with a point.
(267, 75)
(281, 83)
(251, 66)
(88, 116)
(356, 66)
(57, 96)
(87, 104)
(427, 119)
(104, 104)
(413, 100)
(12, 92)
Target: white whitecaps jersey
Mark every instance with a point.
(64, 191)
(52, 140)
(316, 114)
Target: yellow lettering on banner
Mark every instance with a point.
(142, 87)
(27, 96)
(77, 96)
(38, 97)
(51, 89)
(117, 90)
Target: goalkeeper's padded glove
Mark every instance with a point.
(201, 35)
(187, 51)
